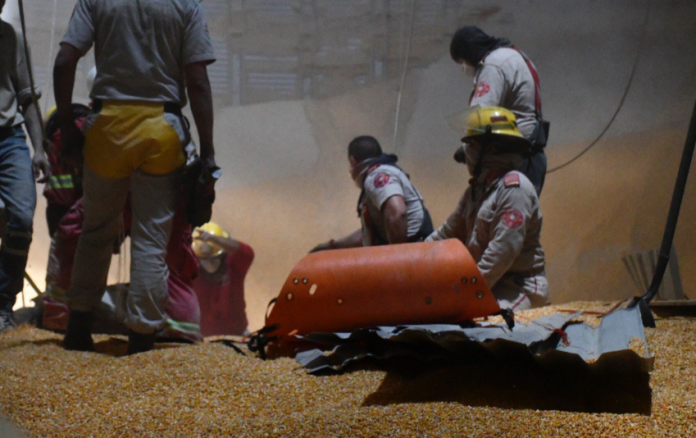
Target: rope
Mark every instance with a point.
(403, 75)
(34, 97)
(49, 60)
(621, 102)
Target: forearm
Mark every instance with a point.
(31, 116)
(64, 80)
(201, 98)
(353, 240)
(226, 243)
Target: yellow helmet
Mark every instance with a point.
(50, 112)
(494, 123)
(206, 250)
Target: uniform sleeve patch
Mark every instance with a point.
(512, 180)
(381, 180)
(513, 218)
(482, 88)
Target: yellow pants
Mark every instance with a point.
(125, 136)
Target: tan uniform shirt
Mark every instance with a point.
(502, 231)
(383, 182)
(15, 88)
(503, 79)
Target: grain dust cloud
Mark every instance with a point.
(296, 80)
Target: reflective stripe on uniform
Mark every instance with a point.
(184, 327)
(60, 182)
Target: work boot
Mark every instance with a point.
(6, 320)
(78, 337)
(140, 342)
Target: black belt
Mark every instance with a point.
(7, 131)
(528, 273)
(169, 107)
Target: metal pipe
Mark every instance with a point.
(670, 228)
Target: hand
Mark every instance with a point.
(209, 163)
(208, 159)
(322, 247)
(42, 170)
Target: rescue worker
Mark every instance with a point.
(224, 263)
(499, 217)
(17, 168)
(182, 310)
(504, 76)
(134, 139)
(390, 208)
(64, 187)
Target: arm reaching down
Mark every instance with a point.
(63, 83)
(201, 98)
(395, 214)
(508, 230)
(42, 170)
(353, 240)
(454, 226)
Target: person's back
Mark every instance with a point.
(383, 182)
(141, 47)
(504, 79)
(146, 52)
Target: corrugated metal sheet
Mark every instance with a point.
(547, 339)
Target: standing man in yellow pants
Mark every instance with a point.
(147, 52)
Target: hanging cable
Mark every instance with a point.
(403, 76)
(621, 102)
(49, 62)
(34, 97)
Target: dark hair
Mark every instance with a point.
(471, 44)
(364, 147)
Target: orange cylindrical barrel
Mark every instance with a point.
(413, 283)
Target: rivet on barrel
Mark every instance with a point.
(304, 281)
(479, 294)
(473, 280)
(339, 301)
(296, 281)
(290, 296)
(463, 280)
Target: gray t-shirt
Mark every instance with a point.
(141, 47)
(381, 183)
(15, 88)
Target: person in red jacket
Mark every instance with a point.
(224, 263)
(64, 187)
(183, 312)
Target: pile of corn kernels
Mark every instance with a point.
(210, 390)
